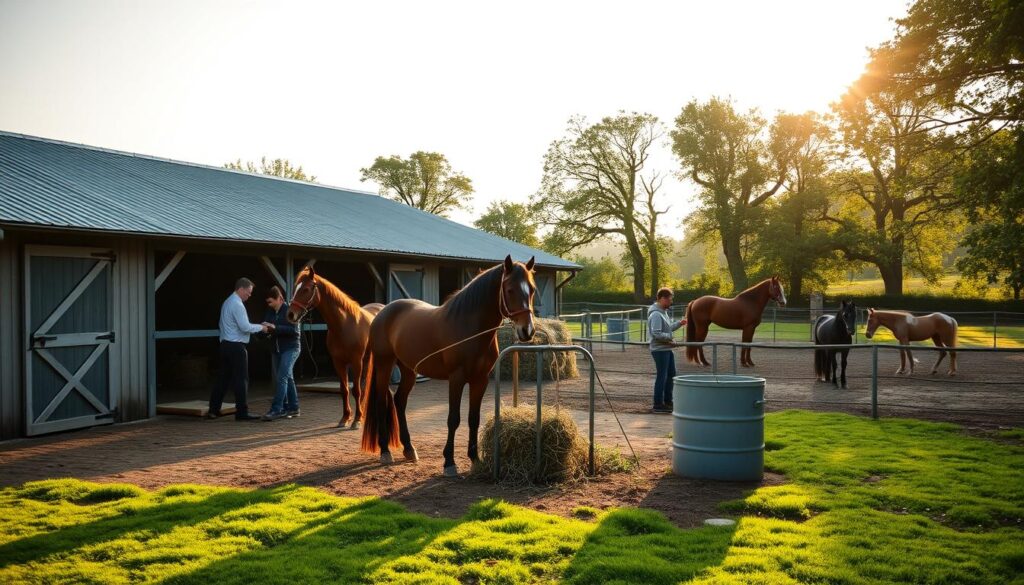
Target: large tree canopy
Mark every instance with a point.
(278, 167)
(425, 181)
(512, 221)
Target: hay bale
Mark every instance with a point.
(548, 331)
(563, 448)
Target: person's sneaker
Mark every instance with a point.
(272, 415)
(245, 417)
(212, 415)
(669, 405)
(292, 413)
(661, 409)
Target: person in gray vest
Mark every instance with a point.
(235, 330)
(660, 326)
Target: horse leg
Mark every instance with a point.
(357, 390)
(832, 366)
(942, 354)
(455, 385)
(405, 387)
(342, 369)
(844, 353)
(903, 360)
(910, 359)
(748, 336)
(702, 335)
(476, 396)
(952, 357)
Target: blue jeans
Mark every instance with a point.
(286, 397)
(665, 362)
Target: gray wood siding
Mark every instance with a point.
(131, 315)
(12, 406)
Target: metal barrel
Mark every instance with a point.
(718, 427)
(618, 329)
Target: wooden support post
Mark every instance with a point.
(515, 378)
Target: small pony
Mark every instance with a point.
(834, 330)
(941, 329)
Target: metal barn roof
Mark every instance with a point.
(58, 184)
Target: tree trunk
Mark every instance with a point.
(1016, 292)
(892, 276)
(637, 257)
(796, 284)
(734, 258)
(655, 285)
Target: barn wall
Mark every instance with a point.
(131, 321)
(12, 415)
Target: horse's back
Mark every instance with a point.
(372, 309)
(818, 323)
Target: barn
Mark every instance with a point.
(113, 267)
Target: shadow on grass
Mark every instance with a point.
(154, 519)
(641, 546)
(342, 547)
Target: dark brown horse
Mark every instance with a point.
(457, 341)
(741, 312)
(348, 329)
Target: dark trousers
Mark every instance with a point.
(665, 363)
(234, 375)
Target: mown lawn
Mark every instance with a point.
(1009, 336)
(866, 502)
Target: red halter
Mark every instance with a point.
(306, 307)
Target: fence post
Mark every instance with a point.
(497, 419)
(774, 320)
(540, 383)
(734, 359)
(874, 381)
(995, 330)
(714, 359)
(593, 372)
(515, 378)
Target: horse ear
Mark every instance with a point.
(309, 268)
(870, 311)
(529, 264)
(508, 264)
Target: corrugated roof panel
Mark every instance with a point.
(50, 183)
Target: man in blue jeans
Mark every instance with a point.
(284, 338)
(660, 326)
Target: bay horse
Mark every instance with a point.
(741, 312)
(940, 328)
(834, 330)
(457, 341)
(348, 329)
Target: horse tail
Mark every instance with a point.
(381, 418)
(819, 362)
(364, 398)
(691, 334)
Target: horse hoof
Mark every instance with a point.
(411, 455)
(951, 374)
(341, 424)
(386, 458)
(355, 426)
(451, 471)
(844, 386)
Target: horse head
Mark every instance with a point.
(872, 325)
(776, 292)
(306, 296)
(847, 316)
(516, 296)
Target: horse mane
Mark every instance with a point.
(330, 291)
(466, 301)
(750, 291)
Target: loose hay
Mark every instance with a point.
(561, 366)
(563, 449)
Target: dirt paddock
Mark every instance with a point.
(310, 451)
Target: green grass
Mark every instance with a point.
(968, 335)
(896, 501)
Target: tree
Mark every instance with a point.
(738, 166)
(425, 181)
(512, 221)
(795, 241)
(278, 167)
(991, 190)
(898, 175)
(604, 274)
(595, 186)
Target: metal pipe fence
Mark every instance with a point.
(977, 328)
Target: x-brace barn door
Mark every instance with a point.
(69, 367)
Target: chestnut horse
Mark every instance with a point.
(348, 329)
(941, 329)
(457, 341)
(742, 312)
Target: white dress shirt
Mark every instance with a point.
(234, 321)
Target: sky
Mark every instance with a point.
(332, 85)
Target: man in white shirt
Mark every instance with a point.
(235, 329)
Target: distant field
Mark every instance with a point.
(969, 335)
(916, 285)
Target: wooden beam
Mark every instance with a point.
(401, 287)
(376, 275)
(273, 272)
(167, 270)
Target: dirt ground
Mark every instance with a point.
(310, 451)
